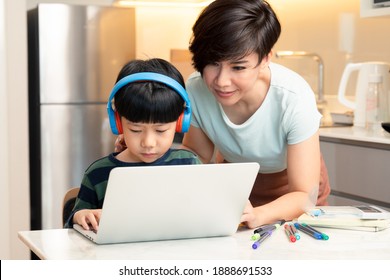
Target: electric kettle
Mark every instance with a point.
(364, 70)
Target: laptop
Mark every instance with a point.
(173, 202)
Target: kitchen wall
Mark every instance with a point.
(331, 28)
(160, 30)
(335, 31)
(4, 191)
(14, 194)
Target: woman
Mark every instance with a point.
(249, 109)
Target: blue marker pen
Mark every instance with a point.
(324, 236)
(306, 230)
(261, 240)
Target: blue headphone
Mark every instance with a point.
(183, 123)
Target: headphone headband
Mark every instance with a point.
(152, 77)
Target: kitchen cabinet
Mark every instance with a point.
(367, 9)
(358, 164)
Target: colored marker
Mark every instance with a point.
(261, 240)
(324, 236)
(257, 236)
(316, 212)
(289, 233)
(313, 230)
(294, 231)
(309, 232)
(310, 229)
(268, 227)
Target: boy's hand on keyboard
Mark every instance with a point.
(88, 218)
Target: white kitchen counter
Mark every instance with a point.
(356, 136)
(349, 134)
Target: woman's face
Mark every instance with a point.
(232, 81)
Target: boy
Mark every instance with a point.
(149, 106)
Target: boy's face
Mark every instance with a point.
(147, 142)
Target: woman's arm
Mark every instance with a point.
(303, 169)
(198, 142)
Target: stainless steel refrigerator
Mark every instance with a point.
(75, 54)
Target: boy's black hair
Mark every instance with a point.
(232, 29)
(148, 101)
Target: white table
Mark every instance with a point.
(67, 244)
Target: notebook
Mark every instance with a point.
(173, 202)
(358, 217)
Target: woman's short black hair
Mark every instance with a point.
(149, 101)
(232, 29)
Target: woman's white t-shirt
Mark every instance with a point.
(287, 116)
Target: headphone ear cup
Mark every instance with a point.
(118, 123)
(179, 123)
(186, 120)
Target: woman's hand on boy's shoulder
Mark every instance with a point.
(120, 144)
